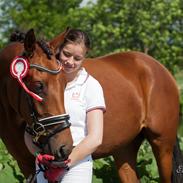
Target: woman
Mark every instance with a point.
(84, 102)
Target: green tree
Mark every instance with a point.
(47, 17)
(154, 27)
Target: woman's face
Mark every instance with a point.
(72, 56)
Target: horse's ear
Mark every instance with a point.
(30, 41)
(58, 40)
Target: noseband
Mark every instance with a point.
(41, 127)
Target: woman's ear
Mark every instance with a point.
(58, 40)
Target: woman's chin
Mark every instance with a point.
(68, 70)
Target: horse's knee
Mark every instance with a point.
(126, 165)
(125, 160)
(127, 173)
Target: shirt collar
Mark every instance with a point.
(80, 80)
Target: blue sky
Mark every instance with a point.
(84, 2)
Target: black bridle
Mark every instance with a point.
(41, 127)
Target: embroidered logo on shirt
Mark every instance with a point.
(75, 95)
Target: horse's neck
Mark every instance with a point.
(9, 89)
(63, 83)
(7, 55)
(10, 95)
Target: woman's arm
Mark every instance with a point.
(94, 138)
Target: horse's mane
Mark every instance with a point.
(19, 36)
(45, 48)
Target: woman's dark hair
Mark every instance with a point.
(76, 36)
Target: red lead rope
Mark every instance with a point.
(53, 170)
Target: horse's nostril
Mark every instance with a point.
(61, 153)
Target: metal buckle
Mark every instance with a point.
(39, 130)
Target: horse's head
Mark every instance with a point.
(44, 86)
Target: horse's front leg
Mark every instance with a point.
(125, 160)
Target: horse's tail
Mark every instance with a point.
(177, 173)
(17, 36)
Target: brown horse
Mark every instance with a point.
(31, 103)
(142, 101)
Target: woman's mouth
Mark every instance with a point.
(68, 67)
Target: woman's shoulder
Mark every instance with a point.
(88, 77)
(93, 84)
(92, 80)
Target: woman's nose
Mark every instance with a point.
(70, 60)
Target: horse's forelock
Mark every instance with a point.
(17, 36)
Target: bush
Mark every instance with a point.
(105, 171)
(9, 170)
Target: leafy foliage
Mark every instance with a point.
(45, 16)
(105, 171)
(146, 166)
(154, 27)
(9, 170)
(179, 79)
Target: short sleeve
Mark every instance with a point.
(94, 95)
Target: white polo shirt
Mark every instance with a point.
(80, 96)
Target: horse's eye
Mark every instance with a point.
(37, 87)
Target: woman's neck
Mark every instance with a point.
(72, 76)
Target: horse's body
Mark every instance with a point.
(15, 110)
(142, 101)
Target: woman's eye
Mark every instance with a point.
(67, 54)
(78, 58)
